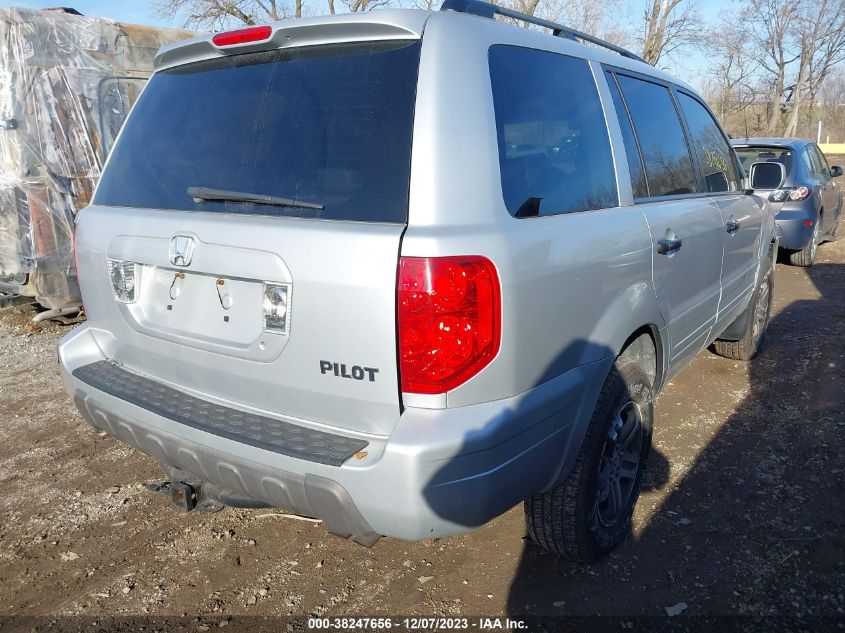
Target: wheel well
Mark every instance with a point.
(643, 348)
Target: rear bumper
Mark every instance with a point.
(440, 472)
(794, 235)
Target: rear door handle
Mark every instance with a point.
(732, 226)
(668, 247)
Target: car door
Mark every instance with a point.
(829, 187)
(741, 216)
(686, 226)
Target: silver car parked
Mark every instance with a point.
(403, 270)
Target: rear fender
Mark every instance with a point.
(638, 304)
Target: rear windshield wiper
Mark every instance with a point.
(204, 193)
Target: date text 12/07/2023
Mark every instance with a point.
(417, 624)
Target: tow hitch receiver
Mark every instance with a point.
(204, 496)
(182, 496)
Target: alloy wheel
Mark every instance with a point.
(620, 464)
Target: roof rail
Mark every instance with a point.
(489, 10)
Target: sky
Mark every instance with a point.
(690, 68)
(135, 11)
(141, 12)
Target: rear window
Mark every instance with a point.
(750, 155)
(326, 125)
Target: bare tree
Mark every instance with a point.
(218, 14)
(832, 97)
(831, 49)
(822, 44)
(733, 70)
(356, 6)
(668, 25)
(590, 16)
(772, 28)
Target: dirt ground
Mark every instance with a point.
(742, 515)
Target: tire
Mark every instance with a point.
(761, 306)
(807, 255)
(576, 519)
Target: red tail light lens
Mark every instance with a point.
(243, 36)
(449, 312)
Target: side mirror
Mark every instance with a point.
(835, 171)
(766, 176)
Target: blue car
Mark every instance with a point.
(807, 202)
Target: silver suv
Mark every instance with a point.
(403, 270)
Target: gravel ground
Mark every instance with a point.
(741, 516)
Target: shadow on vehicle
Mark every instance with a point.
(750, 530)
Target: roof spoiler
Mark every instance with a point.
(300, 32)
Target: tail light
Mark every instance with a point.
(790, 193)
(243, 36)
(124, 277)
(449, 315)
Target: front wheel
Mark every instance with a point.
(589, 514)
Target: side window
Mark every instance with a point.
(554, 150)
(715, 156)
(808, 161)
(668, 165)
(632, 150)
(822, 161)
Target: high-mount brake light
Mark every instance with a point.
(242, 36)
(449, 317)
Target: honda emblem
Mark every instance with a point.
(181, 250)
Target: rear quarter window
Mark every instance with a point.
(554, 151)
(328, 125)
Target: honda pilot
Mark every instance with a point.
(402, 270)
